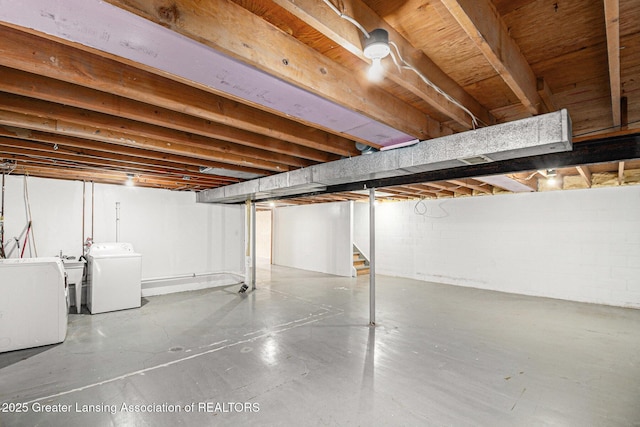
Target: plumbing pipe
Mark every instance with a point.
(117, 222)
(2, 254)
(84, 195)
(192, 275)
(93, 203)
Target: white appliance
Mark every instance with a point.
(33, 303)
(114, 274)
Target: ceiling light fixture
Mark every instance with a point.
(552, 176)
(376, 47)
(382, 44)
(129, 181)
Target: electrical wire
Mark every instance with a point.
(421, 208)
(406, 66)
(26, 197)
(348, 18)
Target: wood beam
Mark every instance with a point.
(455, 189)
(103, 177)
(26, 84)
(67, 128)
(319, 16)
(425, 189)
(612, 19)
(105, 123)
(235, 31)
(620, 173)
(473, 184)
(485, 27)
(55, 60)
(585, 173)
(102, 148)
(40, 153)
(545, 94)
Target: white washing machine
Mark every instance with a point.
(33, 303)
(114, 273)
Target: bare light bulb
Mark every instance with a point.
(376, 71)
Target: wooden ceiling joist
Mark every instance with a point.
(585, 173)
(104, 177)
(31, 85)
(93, 125)
(135, 154)
(67, 128)
(71, 65)
(452, 188)
(620, 173)
(473, 184)
(266, 47)
(612, 18)
(319, 16)
(63, 157)
(484, 26)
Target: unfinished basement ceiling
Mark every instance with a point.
(162, 90)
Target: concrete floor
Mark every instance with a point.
(298, 351)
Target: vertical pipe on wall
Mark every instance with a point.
(2, 254)
(117, 222)
(247, 252)
(372, 256)
(84, 203)
(253, 246)
(93, 202)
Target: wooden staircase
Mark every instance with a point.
(360, 263)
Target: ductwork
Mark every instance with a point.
(537, 135)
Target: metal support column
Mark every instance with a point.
(372, 256)
(253, 246)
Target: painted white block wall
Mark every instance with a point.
(581, 245)
(175, 235)
(263, 236)
(361, 227)
(314, 237)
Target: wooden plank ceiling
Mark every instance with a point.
(69, 111)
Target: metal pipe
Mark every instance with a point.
(372, 256)
(93, 203)
(192, 275)
(2, 254)
(247, 252)
(253, 246)
(117, 222)
(84, 204)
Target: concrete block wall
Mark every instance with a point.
(581, 245)
(314, 237)
(361, 227)
(174, 234)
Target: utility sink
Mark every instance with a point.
(75, 273)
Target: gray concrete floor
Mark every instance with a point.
(299, 352)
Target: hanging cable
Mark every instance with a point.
(32, 240)
(347, 17)
(2, 254)
(406, 66)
